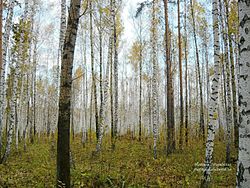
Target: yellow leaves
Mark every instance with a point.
(233, 18)
(134, 54)
(78, 77)
(215, 115)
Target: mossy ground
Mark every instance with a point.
(131, 164)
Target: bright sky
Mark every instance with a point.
(129, 11)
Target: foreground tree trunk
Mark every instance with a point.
(63, 140)
(1, 35)
(6, 38)
(243, 166)
(213, 114)
(15, 69)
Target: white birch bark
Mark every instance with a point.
(105, 92)
(213, 115)
(6, 37)
(15, 66)
(113, 13)
(155, 72)
(243, 166)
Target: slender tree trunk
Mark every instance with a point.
(6, 37)
(1, 36)
(243, 166)
(186, 75)
(63, 140)
(60, 50)
(202, 126)
(155, 72)
(102, 98)
(115, 70)
(13, 100)
(180, 74)
(233, 85)
(92, 68)
(170, 102)
(213, 114)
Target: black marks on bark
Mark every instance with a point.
(246, 31)
(215, 80)
(244, 20)
(240, 174)
(242, 40)
(247, 2)
(244, 77)
(245, 49)
(245, 113)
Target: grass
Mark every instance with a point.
(131, 164)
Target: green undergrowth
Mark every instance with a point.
(131, 164)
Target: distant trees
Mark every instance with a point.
(125, 88)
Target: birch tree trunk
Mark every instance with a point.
(115, 71)
(15, 68)
(61, 42)
(170, 101)
(213, 114)
(92, 67)
(105, 92)
(180, 78)
(243, 166)
(1, 35)
(6, 38)
(186, 75)
(202, 126)
(63, 140)
(155, 72)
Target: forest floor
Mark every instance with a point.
(131, 164)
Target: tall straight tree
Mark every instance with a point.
(115, 71)
(6, 38)
(92, 67)
(1, 35)
(63, 139)
(243, 166)
(202, 126)
(180, 74)
(155, 72)
(140, 75)
(170, 101)
(186, 75)
(61, 40)
(213, 103)
(231, 55)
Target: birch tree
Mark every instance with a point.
(180, 77)
(6, 37)
(155, 72)
(243, 165)
(213, 103)
(63, 140)
(115, 71)
(15, 68)
(1, 35)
